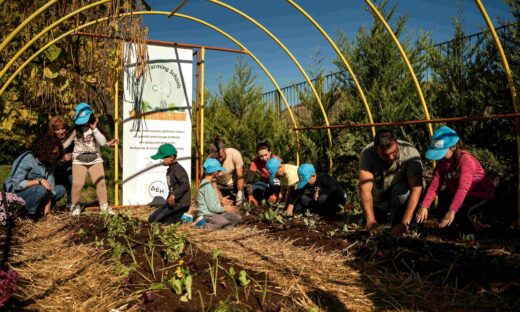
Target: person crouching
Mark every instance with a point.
(208, 203)
(179, 196)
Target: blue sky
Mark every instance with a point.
(297, 33)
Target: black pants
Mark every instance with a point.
(465, 215)
(167, 215)
(325, 205)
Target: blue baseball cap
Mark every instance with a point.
(305, 172)
(272, 166)
(441, 141)
(82, 114)
(212, 165)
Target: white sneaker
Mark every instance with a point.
(106, 209)
(75, 210)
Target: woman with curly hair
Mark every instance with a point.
(32, 176)
(58, 128)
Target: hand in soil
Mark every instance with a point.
(448, 218)
(399, 230)
(422, 215)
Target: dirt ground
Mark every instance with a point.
(294, 264)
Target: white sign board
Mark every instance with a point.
(157, 110)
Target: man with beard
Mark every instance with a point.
(390, 181)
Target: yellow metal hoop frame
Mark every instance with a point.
(19, 69)
(406, 61)
(25, 22)
(295, 61)
(512, 90)
(343, 59)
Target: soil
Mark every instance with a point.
(490, 263)
(260, 295)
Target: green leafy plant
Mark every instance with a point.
(231, 273)
(152, 232)
(272, 215)
(173, 242)
(182, 282)
(213, 270)
(310, 223)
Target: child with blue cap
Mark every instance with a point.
(209, 207)
(467, 186)
(86, 157)
(178, 200)
(317, 191)
(288, 177)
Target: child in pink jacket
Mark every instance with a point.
(467, 186)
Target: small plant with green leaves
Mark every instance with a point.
(150, 245)
(231, 273)
(310, 223)
(181, 282)
(271, 216)
(331, 233)
(213, 270)
(173, 242)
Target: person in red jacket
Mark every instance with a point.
(467, 186)
(262, 189)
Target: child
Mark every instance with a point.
(86, 157)
(467, 184)
(215, 215)
(288, 175)
(179, 196)
(318, 192)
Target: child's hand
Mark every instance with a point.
(230, 208)
(94, 124)
(422, 214)
(171, 200)
(448, 218)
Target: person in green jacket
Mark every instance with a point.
(208, 203)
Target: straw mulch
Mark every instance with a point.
(313, 277)
(58, 275)
(303, 274)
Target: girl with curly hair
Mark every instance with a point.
(32, 176)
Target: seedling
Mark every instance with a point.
(151, 247)
(272, 215)
(231, 273)
(331, 233)
(173, 242)
(182, 282)
(213, 271)
(310, 223)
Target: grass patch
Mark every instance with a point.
(4, 172)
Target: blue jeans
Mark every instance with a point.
(37, 196)
(262, 190)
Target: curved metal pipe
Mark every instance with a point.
(24, 23)
(343, 59)
(311, 85)
(46, 30)
(41, 50)
(512, 90)
(406, 61)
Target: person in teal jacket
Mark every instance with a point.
(208, 203)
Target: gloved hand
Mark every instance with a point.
(252, 201)
(239, 199)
